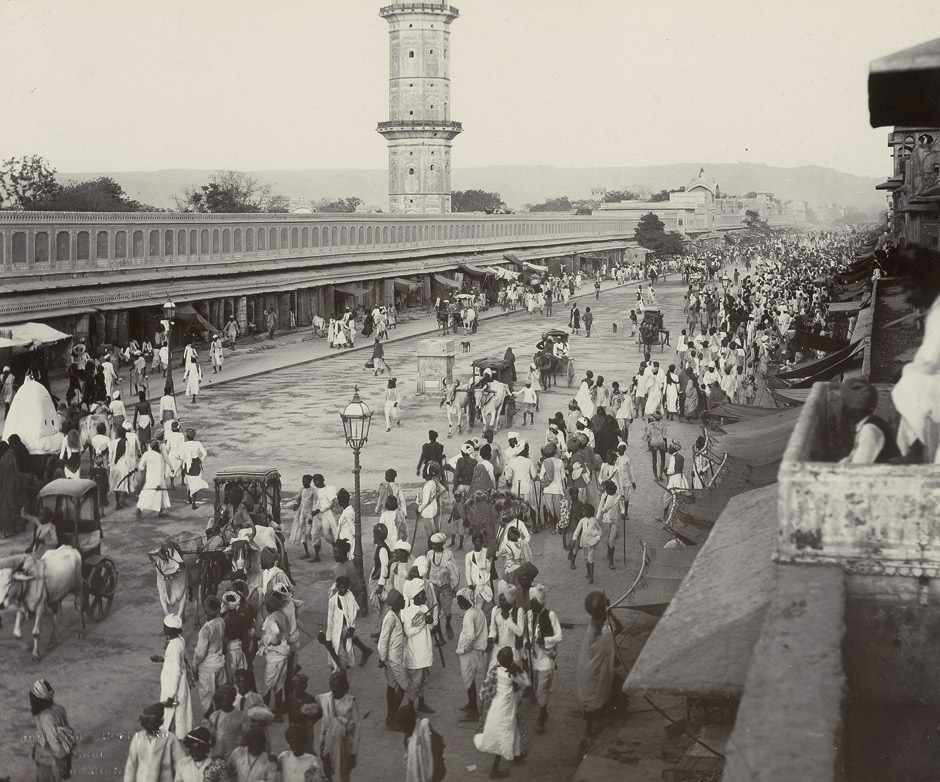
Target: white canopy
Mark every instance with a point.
(24, 335)
(33, 417)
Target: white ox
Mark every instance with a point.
(31, 585)
(490, 399)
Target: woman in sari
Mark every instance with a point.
(275, 647)
(502, 733)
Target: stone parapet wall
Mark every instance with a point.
(874, 519)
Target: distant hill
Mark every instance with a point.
(520, 185)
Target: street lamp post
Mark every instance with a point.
(169, 313)
(357, 418)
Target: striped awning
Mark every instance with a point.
(534, 267)
(447, 281)
(350, 290)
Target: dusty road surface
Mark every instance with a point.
(289, 419)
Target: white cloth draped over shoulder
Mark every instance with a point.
(917, 394)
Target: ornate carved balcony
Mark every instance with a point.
(423, 8)
(412, 125)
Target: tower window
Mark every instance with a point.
(411, 54)
(411, 113)
(432, 166)
(432, 105)
(411, 171)
(430, 51)
(411, 84)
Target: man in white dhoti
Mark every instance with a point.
(192, 456)
(153, 496)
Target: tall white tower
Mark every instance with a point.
(419, 130)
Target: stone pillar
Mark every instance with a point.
(111, 327)
(328, 301)
(241, 312)
(123, 327)
(426, 289)
(283, 310)
(388, 291)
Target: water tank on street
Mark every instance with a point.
(435, 360)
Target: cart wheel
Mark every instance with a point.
(100, 588)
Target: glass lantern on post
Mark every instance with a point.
(169, 314)
(357, 418)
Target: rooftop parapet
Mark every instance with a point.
(878, 519)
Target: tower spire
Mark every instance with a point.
(419, 130)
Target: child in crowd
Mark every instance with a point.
(225, 722)
(529, 399)
(390, 489)
(297, 764)
(586, 536)
(305, 508)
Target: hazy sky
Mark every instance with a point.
(118, 85)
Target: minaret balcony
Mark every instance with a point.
(444, 128)
(421, 8)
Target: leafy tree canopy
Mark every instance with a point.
(477, 201)
(233, 192)
(349, 204)
(30, 183)
(562, 204)
(615, 196)
(27, 182)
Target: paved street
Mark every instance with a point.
(289, 418)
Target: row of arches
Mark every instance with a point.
(66, 246)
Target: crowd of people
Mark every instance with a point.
(468, 548)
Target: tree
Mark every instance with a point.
(227, 191)
(562, 204)
(615, 196)
(672, 244)
(754, 222)
(278, 203)
(27, 183)
(476, 201)
(345, 205)
(662, 195)
(94, 195)
(650, 231)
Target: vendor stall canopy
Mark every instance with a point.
(25, 335)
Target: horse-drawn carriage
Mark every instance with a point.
(488, 400)
(548, 363)
(77, 519)
(191, 566)
(652, 331)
